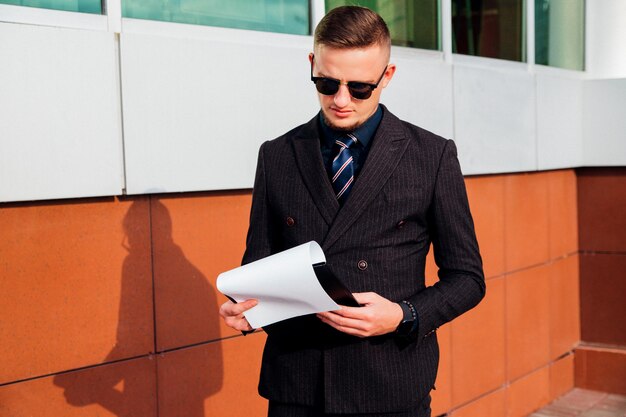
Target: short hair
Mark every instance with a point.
(348, 27)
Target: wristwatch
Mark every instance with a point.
(409, 319)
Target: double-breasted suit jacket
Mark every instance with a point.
(410, 193)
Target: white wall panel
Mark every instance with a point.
(559, 121)
(60, 129)
(198, 102)
(604, 122)
(494, 114)
(196, 110)
(421, 91)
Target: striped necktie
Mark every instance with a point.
(343, 167)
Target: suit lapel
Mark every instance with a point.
(387, 148)
(306, 147)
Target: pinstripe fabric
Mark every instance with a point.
(410, 192)
(291, 410)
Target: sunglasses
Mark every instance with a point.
(358, 90)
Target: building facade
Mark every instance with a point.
(122, 196)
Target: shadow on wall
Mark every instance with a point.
(185, 315)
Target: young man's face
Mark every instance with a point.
(341, 110)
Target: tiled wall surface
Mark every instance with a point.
(513, 353)
(109, 308)
(601, 360)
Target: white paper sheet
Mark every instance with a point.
(285, 285)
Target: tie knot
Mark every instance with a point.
(346, 141)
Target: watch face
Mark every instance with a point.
(407, 320)
(405, 327)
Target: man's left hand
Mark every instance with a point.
(377, 316)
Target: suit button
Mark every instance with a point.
(400, 224)
(290, 221)
(362, 265)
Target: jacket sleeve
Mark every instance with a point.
(461, 283)
(260, 232)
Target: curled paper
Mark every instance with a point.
(285, 284)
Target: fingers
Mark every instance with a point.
(343, 324)
(237, 323)
(233, 314)
(365, 298)
(234, 309)
(343, 320)
(363, 313)
(377, 316)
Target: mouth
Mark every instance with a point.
(341, 113)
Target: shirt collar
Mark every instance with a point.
(363, 133)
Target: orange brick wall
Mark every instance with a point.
(109, 308)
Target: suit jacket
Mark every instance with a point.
(410, 193)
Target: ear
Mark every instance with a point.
(391, 69)
(311, 58)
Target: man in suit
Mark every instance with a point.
(375, 192)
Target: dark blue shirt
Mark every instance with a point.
(364, 134)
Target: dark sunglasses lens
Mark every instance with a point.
(360, 91)
(327, 86)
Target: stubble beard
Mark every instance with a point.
(345, 129)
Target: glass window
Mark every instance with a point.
(489, 28)
(411, 23)
(83, 6)
(560, 33)
(284, 16)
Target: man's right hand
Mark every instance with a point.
(233, 314)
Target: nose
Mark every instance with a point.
(342, 97)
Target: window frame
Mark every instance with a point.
(112, 21)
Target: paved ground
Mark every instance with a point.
(584, 403)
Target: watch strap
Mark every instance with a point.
(408, 324)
